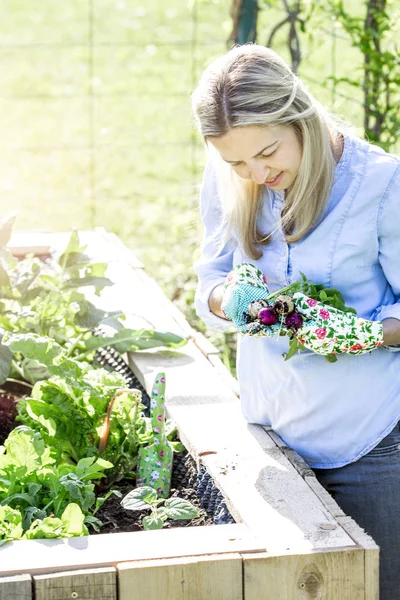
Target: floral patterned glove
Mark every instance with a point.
(244, 291)
(332, 331)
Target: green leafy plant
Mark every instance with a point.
(145, 498)
(82, 411)
(71, 523)
(81, 432)
(37, 486)
(44, 298)
(317, 291)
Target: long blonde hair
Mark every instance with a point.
(252, 85)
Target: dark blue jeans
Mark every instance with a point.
(368, 490)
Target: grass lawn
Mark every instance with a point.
(95, 116)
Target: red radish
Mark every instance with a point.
(268, 316)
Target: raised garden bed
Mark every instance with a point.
(290, 540)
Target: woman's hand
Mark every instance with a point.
(215, 301)
(332, 331)
(391, 332)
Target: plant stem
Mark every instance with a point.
(16, 366)
(75, 344)
(281, 291)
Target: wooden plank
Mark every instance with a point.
(47, 556)
(190, 578)
(17, 587)
(30, 242)
(325, 576)
(371, 555)
(225, 374)
(117, 247)
(89, 584)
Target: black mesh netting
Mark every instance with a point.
(184, 471)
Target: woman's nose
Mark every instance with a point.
(259, 173)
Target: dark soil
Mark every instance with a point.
(115, 518)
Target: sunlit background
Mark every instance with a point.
(95, 116)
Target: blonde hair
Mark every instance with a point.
(252, 85)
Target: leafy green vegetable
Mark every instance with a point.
(36, 488)
(43, 299)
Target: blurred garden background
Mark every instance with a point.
(95, 115)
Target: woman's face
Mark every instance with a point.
(267, 155)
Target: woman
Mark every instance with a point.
(289, 190)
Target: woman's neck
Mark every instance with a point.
(337, 145)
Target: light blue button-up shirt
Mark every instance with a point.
(330, 413)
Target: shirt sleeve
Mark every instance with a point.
(215, 263)
(389, 249)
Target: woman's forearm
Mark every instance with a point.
(391, 332)
(215, 301)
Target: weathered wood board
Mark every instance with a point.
(99, 584)
(190, 578)
(17, 587)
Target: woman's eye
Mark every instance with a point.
(268, 155)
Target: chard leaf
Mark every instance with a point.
(90, 468)
(140, 498)
(48, 424)
(30, 345)
(34, 371)
(23, 449)
(89, 316)
(136, 339)
(78, 282)
(178, 508)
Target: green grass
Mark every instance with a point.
(96, 125)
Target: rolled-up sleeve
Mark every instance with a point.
(214, 263)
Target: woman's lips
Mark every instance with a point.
(276, 180)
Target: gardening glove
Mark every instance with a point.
(332, 331)
(244, 291)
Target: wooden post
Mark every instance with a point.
(325, 576)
